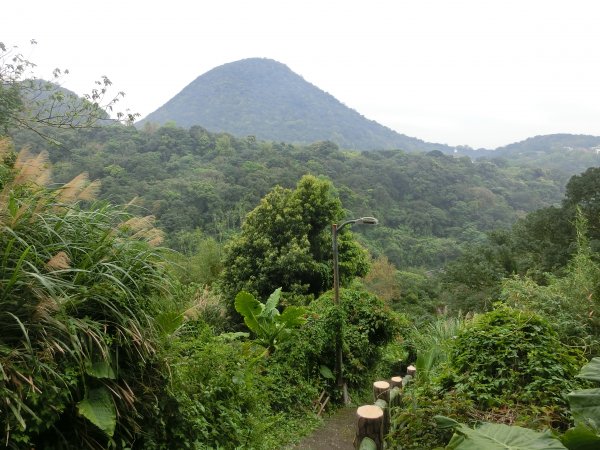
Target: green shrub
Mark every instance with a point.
(509, 357)
(413, 425)
(216, 398)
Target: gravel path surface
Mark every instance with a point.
(337, 433)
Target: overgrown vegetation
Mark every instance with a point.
(109, 341)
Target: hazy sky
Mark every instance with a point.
(483, 73)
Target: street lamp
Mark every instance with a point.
(335, 229)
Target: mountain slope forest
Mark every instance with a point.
(169, 287)
(264, 98)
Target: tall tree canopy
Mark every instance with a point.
(286, 242)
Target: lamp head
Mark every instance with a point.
(367, 221)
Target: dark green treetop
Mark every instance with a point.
(286, 241)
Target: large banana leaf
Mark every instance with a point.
(581, 437)
(585, 406)
(100, 369)
(493, 436)
(98, 408)
(591, 371)
(270, 309)
(250, 309)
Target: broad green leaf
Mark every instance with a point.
(250, 309)
(292, 316)
(326, 372)
(591, 371)
(493, 436)
(99, 409)
(585, 405)
(100, 369)
(270, 309)
(445, 422)
(581, 438)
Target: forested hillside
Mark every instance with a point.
(264, 98)
(174, 288)
(429, 204)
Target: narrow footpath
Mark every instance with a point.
(337, 433)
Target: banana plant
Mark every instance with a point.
(585, 407)
(269, 326)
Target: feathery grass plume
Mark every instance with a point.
(32, 169)
(59, 261)
(90, 192)
(133, 202)
(137, 224)
(73, 293)
(6, 147)
(142, 228)
(71, 190)
(45, 307)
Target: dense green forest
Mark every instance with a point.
(171, 288)
(429, 204)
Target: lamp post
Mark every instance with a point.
(335, 229)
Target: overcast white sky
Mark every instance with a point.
(483, 73)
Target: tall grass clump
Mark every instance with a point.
(77, 288)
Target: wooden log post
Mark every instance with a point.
(381, 390)
(411, 370)
(369, 426)
(395, 391)
(396, 381)
(381, 394)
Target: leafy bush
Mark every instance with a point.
(570, 302)
(413, 425)
(216, 398)
(367, 326)
(489, 436)
(508, 357)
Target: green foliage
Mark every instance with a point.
(472, 282)
(264, 320)
(197, 258)
(98, 407)
(77, 341)
(262, 98)
(215, 399)
(433, 342)
(28, 102)
(509, 357)
(285, 241)
(367, 326)
(414, 427)
(570, 302)
(492, 436)
(429, 206)
(585, 406)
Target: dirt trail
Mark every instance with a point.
(337, 433)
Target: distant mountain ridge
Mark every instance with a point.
(264, 98)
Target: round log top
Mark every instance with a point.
(397, 379)
(369, 412)
(381, 385)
